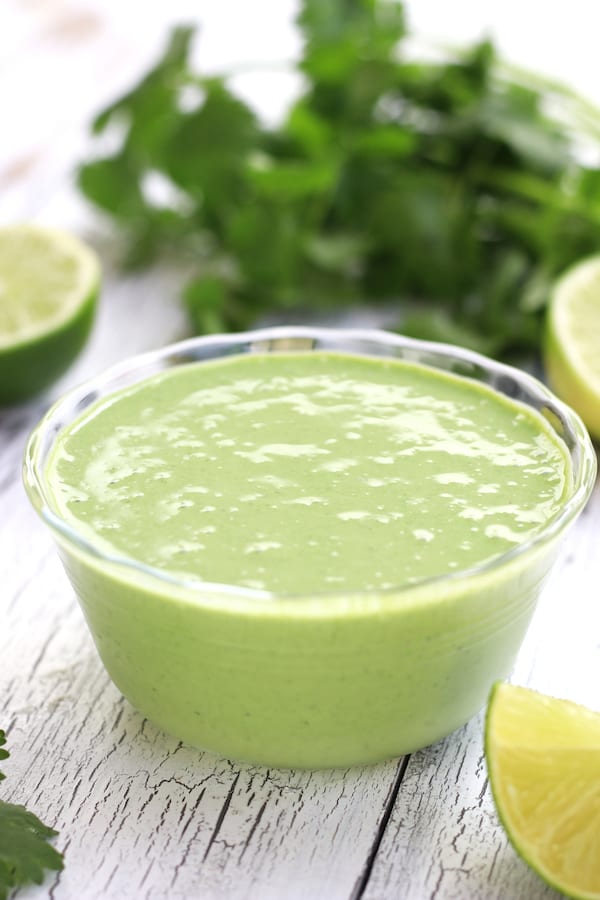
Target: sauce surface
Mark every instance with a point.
(308, 472)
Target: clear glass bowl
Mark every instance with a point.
(331, 679)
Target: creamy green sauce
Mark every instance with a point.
(308, 472)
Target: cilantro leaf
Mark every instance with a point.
(24, 851)
(4, 754)
(444, 186)
(149, 107)
(24, 848)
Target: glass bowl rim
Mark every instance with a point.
(78, 398)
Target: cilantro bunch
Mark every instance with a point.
(443, 188)
(24, 851)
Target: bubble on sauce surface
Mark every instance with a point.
(454, 478)
(262, 546)
(423, 534)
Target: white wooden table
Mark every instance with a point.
(139, 814)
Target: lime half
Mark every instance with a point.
(572, 343)
(543, 758)
(49, 282)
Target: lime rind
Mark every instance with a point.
(49, 284)
(579, 291)
(45, 277)
(575, 755)
(572, 341)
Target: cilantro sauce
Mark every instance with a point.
(302, 473)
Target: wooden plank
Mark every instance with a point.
(443, 839)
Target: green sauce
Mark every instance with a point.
(308, 473)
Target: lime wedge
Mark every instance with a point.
(49, 282)
(572, 342)
(543, 758)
